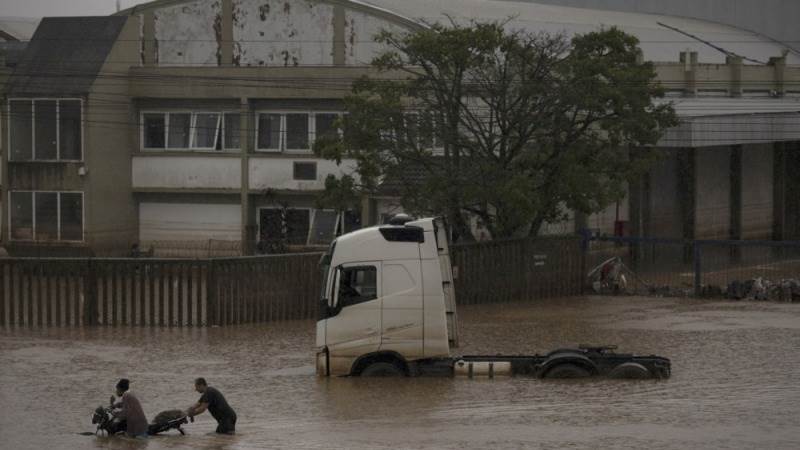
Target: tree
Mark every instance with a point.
(507, 126)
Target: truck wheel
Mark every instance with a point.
(382, 369)
(630, 371)
(567, 370)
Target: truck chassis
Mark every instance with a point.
(581, 362)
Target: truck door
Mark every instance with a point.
(402, 319)
(355, 328)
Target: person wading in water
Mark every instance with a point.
(214, 401)
(130, 411)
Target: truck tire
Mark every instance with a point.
(382, 369)
(630, 371)
(567, 370)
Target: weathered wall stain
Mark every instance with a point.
(265, 33)
(361, 29)
(282, 32)
(187, 33)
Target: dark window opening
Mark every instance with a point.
(22, 215)
(305, 171)
(297, 132)
(154, 131)
(45, 130)
(269, 131)
(357, 285)
(232, 131)
(69, 115)
(21, 131)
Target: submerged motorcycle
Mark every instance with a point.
(167, 420)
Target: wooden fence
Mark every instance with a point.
(258, 289)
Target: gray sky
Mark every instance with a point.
(46, 8)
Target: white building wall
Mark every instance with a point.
(186, 172)
(282, 33)
(189, 222)
(278, 173)
(359, 32)
(185, 33)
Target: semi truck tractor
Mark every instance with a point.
(388, 308)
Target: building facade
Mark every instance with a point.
(189, 124)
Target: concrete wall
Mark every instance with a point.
(282, 33)
(186, 172)
(713, 193)
(186, 33)
(757, 191)
(663, 208)
(110, 125)
(774, 18)
(277, 173)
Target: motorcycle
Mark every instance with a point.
(167, 420)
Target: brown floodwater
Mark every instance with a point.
(735, 383)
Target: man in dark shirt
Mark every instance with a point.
(214, 401)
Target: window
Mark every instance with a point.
(292, 131)
(178, 130)
(46, 216)
(232, 130)
(190, 130)
(297, 224)
(305, 171)
(324, 124)
(269, 132)
(357, 285)
(297, 130)
(45, 130)
(206, 130)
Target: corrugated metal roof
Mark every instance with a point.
(65, 55)
(660, 41)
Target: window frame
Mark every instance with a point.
(219, 134)
(283, 133)
(376, 266)
(58, 215)
(281, 121)
(58, 101)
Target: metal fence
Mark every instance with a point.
(519, 269)
(157, 292)
(698, 267)
(257, 289)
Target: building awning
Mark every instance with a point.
(708, 122)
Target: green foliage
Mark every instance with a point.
(504, 125)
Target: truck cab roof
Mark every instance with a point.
(383, 242)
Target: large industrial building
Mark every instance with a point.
(192, 122)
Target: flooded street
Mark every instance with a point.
(734, 384)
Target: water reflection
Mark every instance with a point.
(733, 383)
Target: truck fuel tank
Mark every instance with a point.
(490, 369)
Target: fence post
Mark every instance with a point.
(212, 312)
(697, 268)
(90, 294)
(586, 236)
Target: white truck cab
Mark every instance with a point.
(387, 298)
(388, 308)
